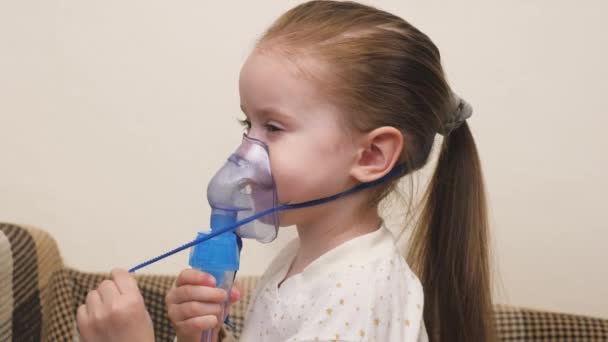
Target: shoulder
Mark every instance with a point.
(386, 277)
(397, 301)
(394, 274)
(389, 272)
(378, 300)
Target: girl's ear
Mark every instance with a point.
(379, 151)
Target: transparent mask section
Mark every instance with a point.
(245, 186)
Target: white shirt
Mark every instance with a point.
(362, 290)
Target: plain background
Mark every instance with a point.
(115, 114)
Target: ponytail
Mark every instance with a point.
(449, 247)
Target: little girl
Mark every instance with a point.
(341, 93)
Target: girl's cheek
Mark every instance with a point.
(295, 172)
(283, 190)
(279, 173)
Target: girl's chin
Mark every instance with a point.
(293, 217)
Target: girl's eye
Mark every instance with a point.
(272, 128)
(269, 127)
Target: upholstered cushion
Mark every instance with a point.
(524, 324)
(39, 297)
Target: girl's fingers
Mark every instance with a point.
(186, 311)
(82, 321)
(194, 277)
(124, 281)
(190, 293)
(195, 325)
(108, 291)
(81, 315)
(93, 302)
(235, 295)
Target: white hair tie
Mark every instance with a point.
(462, 110)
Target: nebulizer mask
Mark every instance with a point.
(244, 204)
(243, 187)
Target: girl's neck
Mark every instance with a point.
(340, 224)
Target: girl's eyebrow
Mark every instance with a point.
(268, 112)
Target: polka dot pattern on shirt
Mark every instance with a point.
(369, 293)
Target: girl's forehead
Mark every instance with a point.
(271, 82)
(273, 77)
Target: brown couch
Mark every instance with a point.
(39, 296)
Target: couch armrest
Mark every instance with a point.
(28, 259)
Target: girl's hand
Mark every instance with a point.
(194, 305)
(115, 312)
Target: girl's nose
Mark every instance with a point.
(257, 134)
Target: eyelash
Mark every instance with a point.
(270, 128)
(245, 123)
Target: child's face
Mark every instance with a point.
(311, 151)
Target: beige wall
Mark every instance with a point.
(115, 114)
